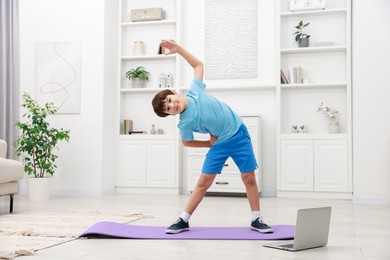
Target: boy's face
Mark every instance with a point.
(174, 104)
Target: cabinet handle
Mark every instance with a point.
(226, 165)
(222, 182)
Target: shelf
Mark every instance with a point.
(142, 90)
(314, 12)
(341, 136)
(148, 57)
(147, 137)
(313, 49)
(312, 86)
(148, 23)
(236, 88)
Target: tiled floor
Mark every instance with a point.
(357, 231)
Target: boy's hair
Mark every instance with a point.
(158, 102)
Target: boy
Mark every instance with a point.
(200, 112)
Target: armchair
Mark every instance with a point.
(11, 172)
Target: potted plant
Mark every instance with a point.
(138, 76)
(300, 37)
(36, 144)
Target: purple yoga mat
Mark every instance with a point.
(117, 230)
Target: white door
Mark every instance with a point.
(331, 165)
(161, 164)
(296, 165)
(131, 164)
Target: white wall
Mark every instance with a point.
(84, 163)
(371, 94)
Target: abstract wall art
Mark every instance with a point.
(230, 39)
(58, 75)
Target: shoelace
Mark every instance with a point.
(178, 220)
(261, 220)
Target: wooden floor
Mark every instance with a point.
(357, 231)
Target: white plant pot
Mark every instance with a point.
(334, 127)
(38, 188)
(137, 83)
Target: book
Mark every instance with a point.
(296, 75)
(284, 78)
(137, 132)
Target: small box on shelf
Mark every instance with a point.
(147, 14)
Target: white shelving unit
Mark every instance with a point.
(317, 163)
(147, 163)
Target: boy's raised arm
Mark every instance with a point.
(173, 47)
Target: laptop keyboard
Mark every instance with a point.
(287, 246)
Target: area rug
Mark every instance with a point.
(117, 230)
(25, 233)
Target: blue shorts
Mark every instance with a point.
(239, 147)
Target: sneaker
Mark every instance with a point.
(179, 226)
(260, 226)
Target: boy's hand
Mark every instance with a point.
(171, 45)
(213, 139)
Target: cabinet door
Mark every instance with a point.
(296, 165)
(161, 163)
(131, 164)
(330, 165)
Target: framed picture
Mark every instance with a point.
(303, 5)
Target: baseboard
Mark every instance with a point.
(74, 192)
(134, 190)
(314, 195)
(371, 201)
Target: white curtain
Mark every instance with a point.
(9, 72)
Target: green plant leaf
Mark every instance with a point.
(138, 72)
(299, 34)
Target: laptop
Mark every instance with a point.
(311, 230)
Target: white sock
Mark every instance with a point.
(255, 215)
(185, 216)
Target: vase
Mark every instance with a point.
(169, 81)
(139, 48)
(333, 126)
(153, 130)
(162, 80)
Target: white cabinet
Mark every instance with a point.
(146, 164)
(330, 167)
(160, 163)
(296, 165)
(315, 162)
(132, 163)
(229, 181)
(314, 165)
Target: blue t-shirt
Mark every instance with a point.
(206, 114)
